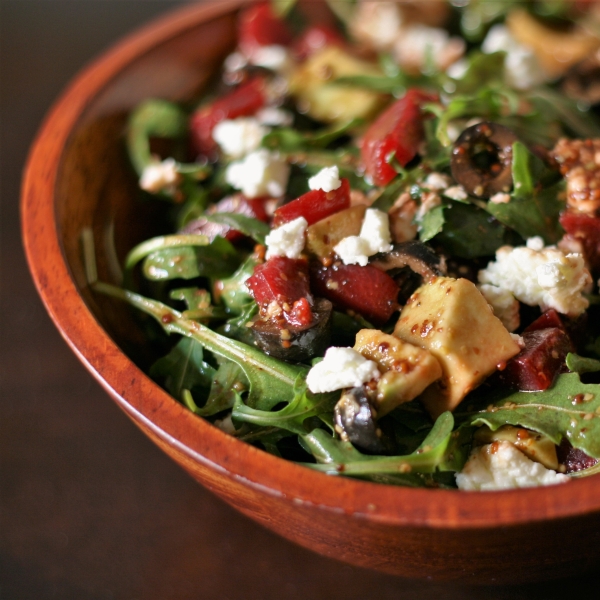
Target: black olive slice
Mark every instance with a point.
(354, 420)
(296, 344)
(482, 159)
(416, 255)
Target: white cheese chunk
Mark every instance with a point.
(522, 69)
(159, 176)
(374, 237)
(500, 466)
(456, 192)
(274, 116)
(238, 137)
(341, 368)
(274, 57)
(260, 173)
(288, 239)
(542, 276)
(327, 179)
(437, 181)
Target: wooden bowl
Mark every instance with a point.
(78, 176)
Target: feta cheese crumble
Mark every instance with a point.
(327, 179)
(260, 173)
(159, 176)
(522, 69)
(374, 237)
(238, 137)
(456, 192)
(500, 466)
(287, 239)
(274, 57)
(542, 276)
(274, 116)
(341, 368)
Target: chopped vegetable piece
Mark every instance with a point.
(243, 101)
(314, 205)
(363, 290)
(314, 38)
(259, 26)
(396, 134)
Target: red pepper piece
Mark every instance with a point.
(585, 229)
(365, 290)
(238, 204)
(260, 26)
(314, 38)
(243, 101)
(550, 318)
(314, 205)
(284, 281)
(397, 131)
(543, 357)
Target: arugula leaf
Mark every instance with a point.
(482, 69)
(581, 364)
(530, 212)
(227, 385)
(249, 226)
(569, 409)
(271, 380)
(183, 368)
(470, 232)
(432, 223)
(183, 256)
(336, 457)
(305, 404)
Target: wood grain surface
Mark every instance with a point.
(90, 507)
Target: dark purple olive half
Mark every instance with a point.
(415, 255)
(354, 420)
(582, 81)
(482, 159)
(296, 344)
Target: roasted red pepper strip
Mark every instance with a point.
(260, 26)
(397, 132)
(314, 205)
(284, 281)
(364, 290)
(244, 101)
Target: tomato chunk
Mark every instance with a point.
(314, 38)
(543, 357)
(238, 204)
(572, 458)
(398, 131)
(260, 26)
(585, 229)
(314, 205)
(283, 281)
(243, 101)
(365, 290)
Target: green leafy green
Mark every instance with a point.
(581, 364)
(569, 409)
(271, 380)
(432, 223)
(227, 385)
(341, 458)
(183, 368)
(291, 417)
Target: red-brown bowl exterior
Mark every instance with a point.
(78, 176)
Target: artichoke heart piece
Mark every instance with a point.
(450, 318)
(313, 85)
(407, 369)
(324, 235)
(535, 446)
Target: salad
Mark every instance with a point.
(381, 240)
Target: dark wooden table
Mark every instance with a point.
(89, 508)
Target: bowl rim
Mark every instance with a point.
(145, 402)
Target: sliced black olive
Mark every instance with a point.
(482, 159)
(582, 81)
(415, 255)
(296, 344)
(354, 420)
